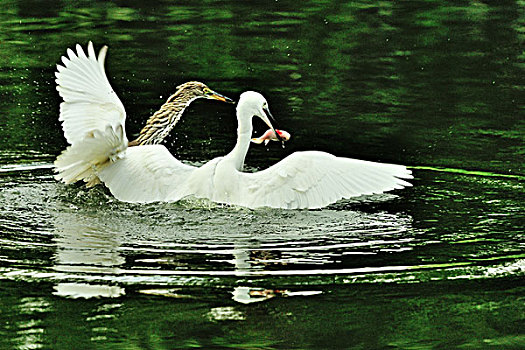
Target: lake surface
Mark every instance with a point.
(434, 85)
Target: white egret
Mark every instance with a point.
(90, 106)
(302, 180)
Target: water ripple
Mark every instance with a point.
(89, 245)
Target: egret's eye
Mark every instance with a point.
(207, 91)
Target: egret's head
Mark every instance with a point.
(195, 89)
(255, 104)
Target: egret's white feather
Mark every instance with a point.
(92, 117)
(89, 100)
(84, 159)
(315, 179)
(146, 174)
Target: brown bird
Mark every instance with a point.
(91, 108)
(162, 121)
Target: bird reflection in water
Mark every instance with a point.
(86, 252)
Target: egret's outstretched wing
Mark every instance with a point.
(89, 101)
(315, 179)
(146, 174)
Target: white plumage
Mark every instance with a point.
(315, 179)
(93, 121)
(303, 180)
(146, 174)
(89, 101)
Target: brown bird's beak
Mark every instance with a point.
(216, 96)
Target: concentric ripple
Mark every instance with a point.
(88, 244)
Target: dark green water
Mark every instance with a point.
(434, 85)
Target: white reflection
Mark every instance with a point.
(29, 325)
(225, 313)
(84, 290)
(248, 295)
(87, 251)
(320, 240)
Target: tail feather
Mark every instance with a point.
(83, 160)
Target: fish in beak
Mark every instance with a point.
(270, 135)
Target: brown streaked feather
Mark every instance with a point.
(162, 121)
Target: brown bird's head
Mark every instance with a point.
(194, 89)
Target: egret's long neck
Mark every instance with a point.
(244, 134)
(162, 121)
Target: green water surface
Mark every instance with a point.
(434, 85)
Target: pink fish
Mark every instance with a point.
(269, 135)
